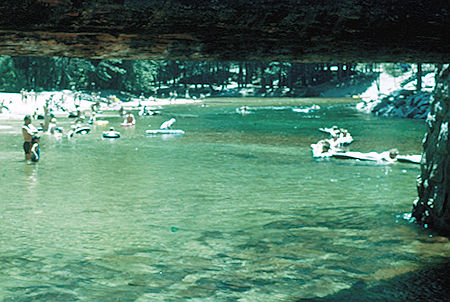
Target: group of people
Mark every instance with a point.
(337, 146)
(32, 139)
(337, 142)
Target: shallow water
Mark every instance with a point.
(235, 209)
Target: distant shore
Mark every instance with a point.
(62, 103)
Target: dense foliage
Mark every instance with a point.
(147, 76)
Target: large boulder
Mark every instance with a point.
(432, 209)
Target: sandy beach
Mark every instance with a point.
(61, 103)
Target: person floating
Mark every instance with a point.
(111, 133)
(243, 110)
(167, 124)
(78, 129)
(338, 136)
(322, 148)
(389, 156)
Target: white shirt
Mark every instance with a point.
(168, 124)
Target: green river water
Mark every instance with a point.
(236, 209)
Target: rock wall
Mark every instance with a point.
(432, 209)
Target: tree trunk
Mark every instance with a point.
(419, 77)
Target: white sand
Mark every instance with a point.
(19, 106)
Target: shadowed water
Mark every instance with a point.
(235, 209)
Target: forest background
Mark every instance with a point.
(161, 78)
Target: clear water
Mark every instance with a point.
(235, 209)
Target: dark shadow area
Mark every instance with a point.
(428, 284)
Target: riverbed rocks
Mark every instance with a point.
(432, 209)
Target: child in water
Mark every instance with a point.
(35, 150)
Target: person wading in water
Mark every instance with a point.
(28, 131)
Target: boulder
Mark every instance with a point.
(432, 209)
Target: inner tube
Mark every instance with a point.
(127, 124)
(111, 134)
(82, 130)
(101, 122)
(164, 131)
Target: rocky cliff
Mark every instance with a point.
(269, 30)
(432, 209)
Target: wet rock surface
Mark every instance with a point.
(402, 103)
(270, 30)
(407, 287)
(433, 185)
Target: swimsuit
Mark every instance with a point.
(27, 147)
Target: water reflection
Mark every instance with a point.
(31, 172)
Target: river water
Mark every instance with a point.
(236, 209)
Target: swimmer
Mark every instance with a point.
(111, 133)
(389, 156)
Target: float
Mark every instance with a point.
(413, 159)
(165, 131)
(101, 123)
(127, 124)
(111, 134)
(81, 130)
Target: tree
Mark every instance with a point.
(419, 77)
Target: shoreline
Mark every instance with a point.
(23, 103)
(61, 103)
(34, 104)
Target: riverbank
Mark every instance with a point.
(62, 103)
(391, 96)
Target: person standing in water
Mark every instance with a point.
(129, 119)
(28, 131)
(35, 150)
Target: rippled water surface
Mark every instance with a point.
(235, 209)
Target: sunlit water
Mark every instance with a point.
(235, 209)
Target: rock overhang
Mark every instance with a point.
(230, 30)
